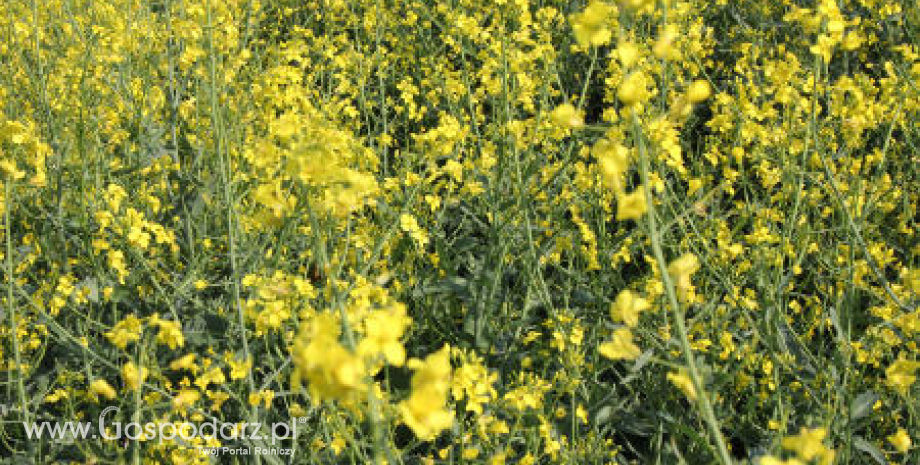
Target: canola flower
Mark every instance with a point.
(681, 270)
(809, 445)
(683, 382)
(566, 115)
(900, 440)
(612, 162)
(591, 26)
(425, 410)
(101, 387)
(627, 307)
(631, 206)
(900, 374)
(332, 370)
(621, 346)
(634, 89)
(133, 375)
(436, 231)
(186, 362)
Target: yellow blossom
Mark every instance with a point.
(900, 440)
(101, 387)
(900, 374)
(698, 91)
(331, 370)
(664, 46)
(239, 368)
(261, 397)
(612, 162)
(125, 331)
(567, 116)
(382, 331)
(631, 206)
(680, 271)
(627, 307)
(621, 347)
(408, 224)
(684, 383)
(591, 26)
(809, 445)
(628, 53)
(186, 362)
(170, 332)
(133, 375)
(425, 411)
(213, 376)
(186, 398)
(633, 89)
(472, 382)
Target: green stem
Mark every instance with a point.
(702, 397)
(226, 171)
(11, 306)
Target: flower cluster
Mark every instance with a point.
(556, 231)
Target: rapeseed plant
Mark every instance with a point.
(588, 231)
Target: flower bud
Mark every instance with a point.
(698, 91)
(566, 115)
(632, 89)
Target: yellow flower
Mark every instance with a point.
(698, 91)
(117, 262)
(125, 331)
(900, 375)
(382, 331)
(170, 332)
(835, 26)
(213, 376)
(56, 396)
(331, 370)
(261, 397)
(186, 398)
(273, 314)
(808, 445)
(627, 307)
(680, 271)
(186, 362)
(9, 170)
(824, 46)
(591, 25)
(472, 382)
(612, 162)
(133, 375)
(912, 280)
(567, 116)
(101, 387)
(621, 347)
(633, 89)
(683, 382)
(628, 54)
(664, 46)
(217, 399)
(408, 224)
(900, 440)
(239, 368)
(631, 206)
(425, 411)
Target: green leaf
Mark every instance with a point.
(870, 449)
(862, 405)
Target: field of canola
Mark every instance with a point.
(460, 231)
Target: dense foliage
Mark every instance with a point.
(507, 231)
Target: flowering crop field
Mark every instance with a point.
(459, 232)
